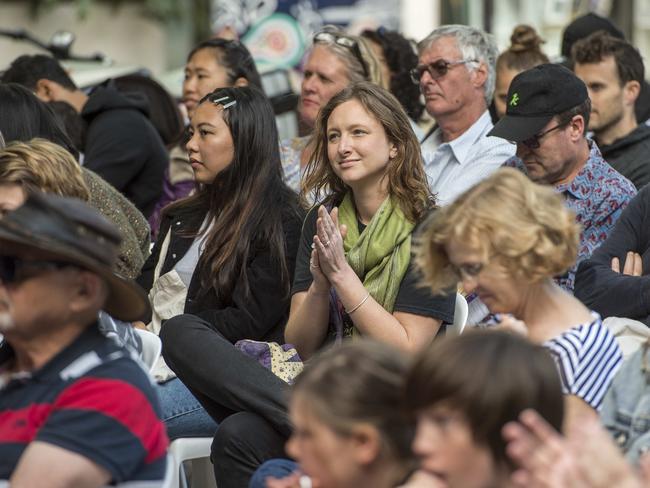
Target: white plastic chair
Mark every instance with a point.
(196, 449)
(151, 347)
(168, 482)
(461, 312)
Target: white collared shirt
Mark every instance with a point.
(455, 166)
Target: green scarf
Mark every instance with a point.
(381, 254)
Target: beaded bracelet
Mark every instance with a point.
(350, 312)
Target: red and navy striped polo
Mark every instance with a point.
(92, 398)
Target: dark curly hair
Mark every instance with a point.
(401, 58)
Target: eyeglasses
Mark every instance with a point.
(533, 142)
(436, 70)
(467, 271)
(14, 269)
(347, 42)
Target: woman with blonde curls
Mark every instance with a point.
(505, 239)
(353, 269)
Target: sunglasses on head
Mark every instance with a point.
(15, 270)
(436, 70)
(347, 42)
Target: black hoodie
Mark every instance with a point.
(630, 155)
(123, 147)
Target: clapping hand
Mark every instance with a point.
(586, 458)
(328, 252)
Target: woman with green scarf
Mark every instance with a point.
(353, 272)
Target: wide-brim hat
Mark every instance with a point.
(68, 230)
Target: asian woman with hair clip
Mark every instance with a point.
(222, 265)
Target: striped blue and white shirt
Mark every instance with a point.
(587, 357)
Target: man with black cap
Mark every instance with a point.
(75, 408)
(546, 117)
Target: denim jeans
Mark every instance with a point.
(182, 413)
(275, 468)
(626, 407)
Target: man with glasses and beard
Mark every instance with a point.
(546, 118)
(75, 408)
(456, 72)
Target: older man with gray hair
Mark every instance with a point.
(456, 73)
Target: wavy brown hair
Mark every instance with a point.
(407, 181)
(507, 217)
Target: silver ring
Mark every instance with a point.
(326, 244)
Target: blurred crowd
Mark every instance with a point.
(441, 282)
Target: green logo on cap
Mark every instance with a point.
(514, 100)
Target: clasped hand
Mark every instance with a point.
(328, 255)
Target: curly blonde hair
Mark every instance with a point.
(407, 181)
(525, 226)
(40, 165)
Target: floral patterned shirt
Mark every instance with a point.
(598, 194)
(290, 153)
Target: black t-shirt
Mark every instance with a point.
(411, 297)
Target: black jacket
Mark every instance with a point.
(642, 105)
(630, 155)
(610, 293)
(123, 147)
(262, 315)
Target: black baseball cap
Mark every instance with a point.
(585, 26)
(535, 96)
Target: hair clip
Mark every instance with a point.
(219, 101)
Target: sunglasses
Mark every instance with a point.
(436, 70)
(347, 42)
(533, 142)
(15, 270)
